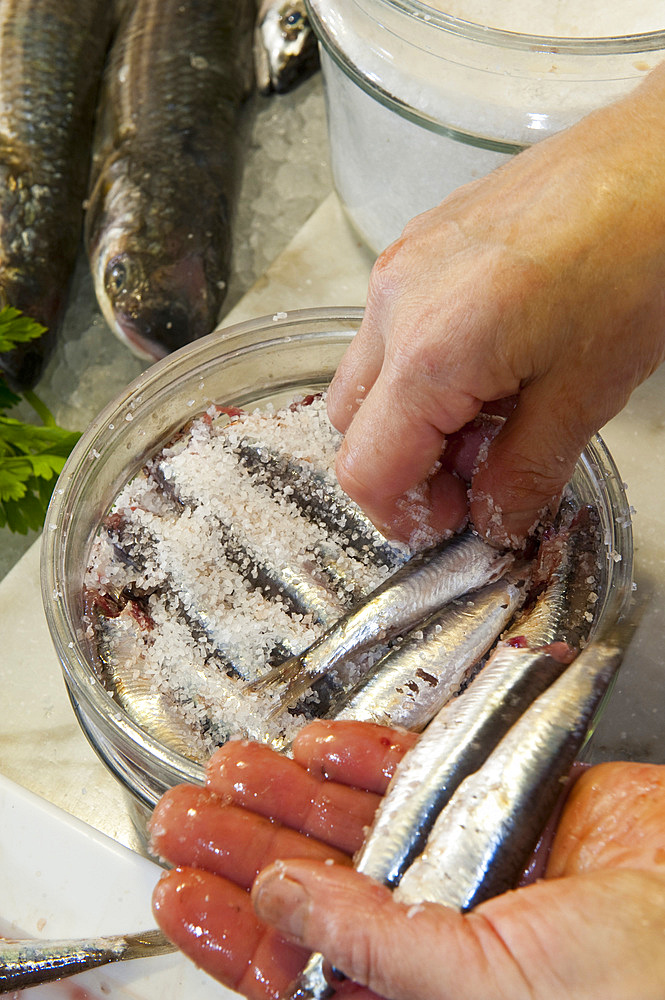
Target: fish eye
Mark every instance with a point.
(116, 275)
(292, 23)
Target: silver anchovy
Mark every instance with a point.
(569, 561)
(483, 837)
(415, 591)
(120, 649)
(285, 47)
(481, 841)
(316, 580)
(30, 963)
(411, 683)
(321, 500)
(469, 727)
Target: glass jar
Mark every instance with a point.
(260, 362)
(420, 102)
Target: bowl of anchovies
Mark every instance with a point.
(204, 577)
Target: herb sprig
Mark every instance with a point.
(31, 455)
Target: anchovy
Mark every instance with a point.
(484, 835)
(469, 727)
(412, 682)
(166, 161)
(294, 584)
(285, 47)
(420, 587)
(51, 57)
(482, 840)
(121, 638)
(148, 551)
(30, 963)
(569, 563)
(321, 500)
(325, 572)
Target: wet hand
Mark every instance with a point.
(536, 290)
(593, 927)
(258, 806)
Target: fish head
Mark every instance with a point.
(285, 47)
(155, 310)
(159, 272)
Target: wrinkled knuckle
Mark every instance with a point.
(534, 480)
(385, 274)
(366, 961)
(347, 470)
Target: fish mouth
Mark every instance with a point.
(156, 332)
(155, 314)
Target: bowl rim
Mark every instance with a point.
(85, 689)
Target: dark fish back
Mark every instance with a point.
(166, 166)
(51, 57)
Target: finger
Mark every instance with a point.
(594, 935)
(356, 373)
(468, 446)
(192, 826)
(528, 464)
(613, 818)
(361, 754)
(387, 947)
(213, 922)
(267, 783)
(390, 478)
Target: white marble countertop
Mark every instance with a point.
(41, 746)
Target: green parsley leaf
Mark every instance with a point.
(32, 456)
(15, 328)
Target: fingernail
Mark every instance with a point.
(282, 902)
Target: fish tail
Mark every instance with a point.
(284, 673)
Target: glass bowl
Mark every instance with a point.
(420, 101)
(267, 360)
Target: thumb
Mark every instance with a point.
(396, 950)
(527, 466)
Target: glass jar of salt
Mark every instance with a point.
(424, 97)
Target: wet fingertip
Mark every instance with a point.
(281, 901)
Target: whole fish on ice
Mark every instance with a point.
(51, 58)
(285, 46)
(166, 160)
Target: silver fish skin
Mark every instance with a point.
(322, 500)
(167, 155)
(569, 561)
(120, 642)
(285, 47)
(467, 729)
(412, 682)
(481, 841)
(454, 745)
(30, 963)
(415, 591)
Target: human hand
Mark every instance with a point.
(539, 286)
(593, 927)
(259, 806)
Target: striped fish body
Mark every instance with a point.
(165, 169)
